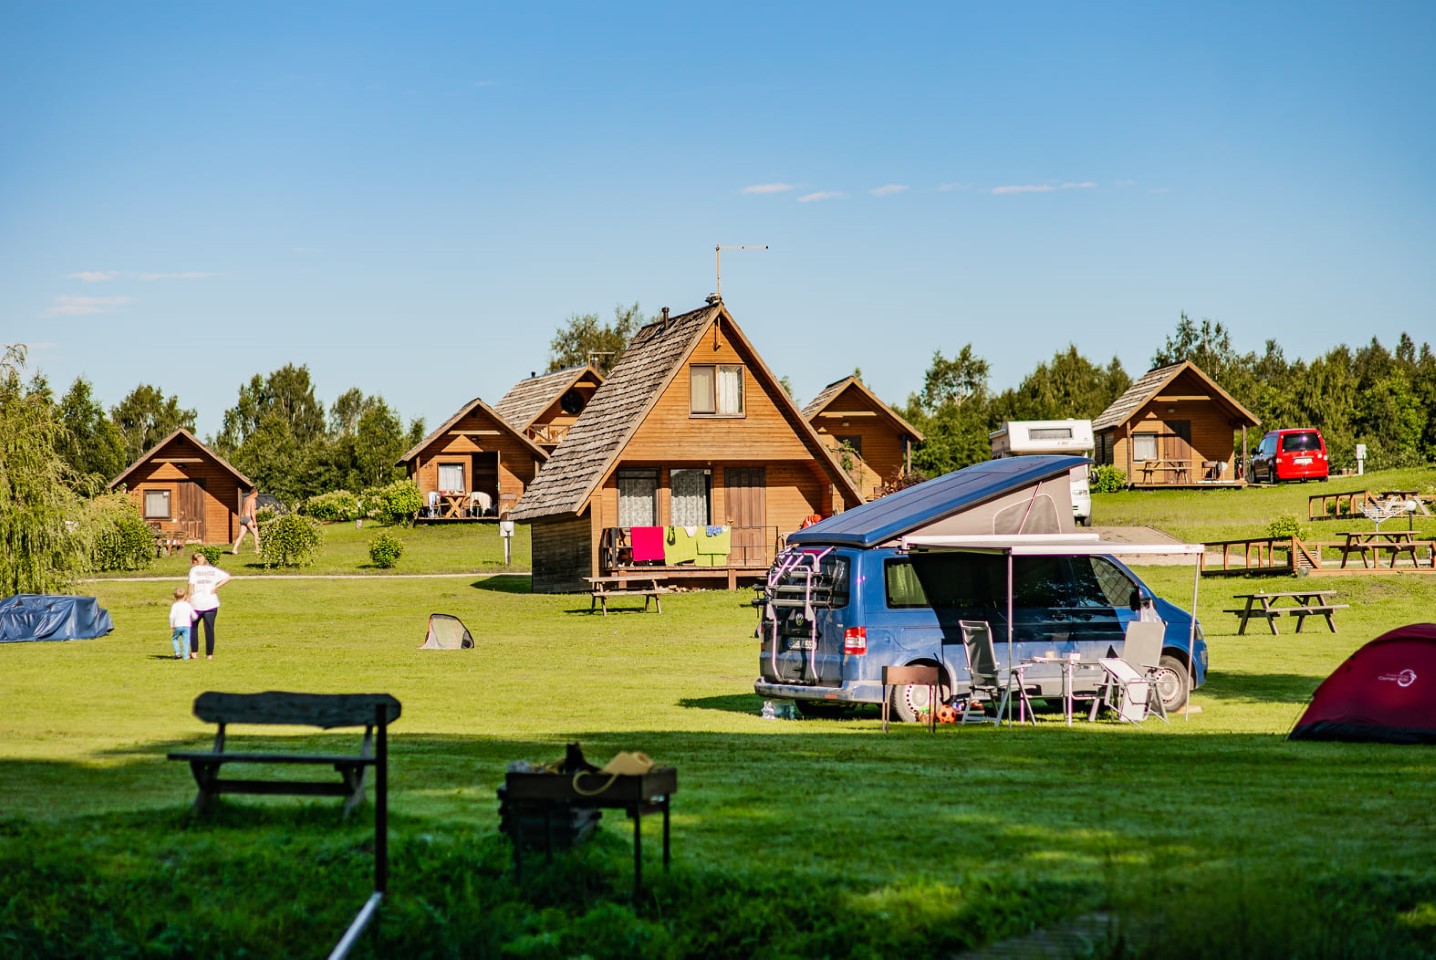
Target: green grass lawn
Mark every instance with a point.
(1212, 836)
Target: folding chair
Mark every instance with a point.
(1141, 653)
(987, 676)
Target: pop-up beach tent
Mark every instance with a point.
(1384, 692)
(447, 632)
(38, 616)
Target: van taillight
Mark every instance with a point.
(855, 640)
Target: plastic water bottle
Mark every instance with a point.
(768, 712)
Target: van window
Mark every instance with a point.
(947, 581)
(1116, 587)
(1298, 442)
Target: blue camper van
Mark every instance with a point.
(851, 595)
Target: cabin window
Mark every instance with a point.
(638, 498)
(451, 477)
(852, 441)
(716, 389)
(691, 497)
(1144, 446)
(157, 505)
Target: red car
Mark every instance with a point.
(1292, 454)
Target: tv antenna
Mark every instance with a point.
(718, 264)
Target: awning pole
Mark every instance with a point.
(1010, 630)
(1192, 636)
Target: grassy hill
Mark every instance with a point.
(1209, 837)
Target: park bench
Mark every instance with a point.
(1300, 604)
(602, 588)
(372, 711)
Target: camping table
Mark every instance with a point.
(453, 504)
(601, 588)
(1375, 541)
(1303, 604)
(1069, 666)
(1175, 469)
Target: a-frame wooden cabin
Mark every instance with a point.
(1174, 427)
(185, 491)
(871, 442)
(691, 462)
(544, 406)
(475, 466)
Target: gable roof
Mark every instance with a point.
(653, 358)
(531, 397)
(464, 411)
(181, 432)
(1149, 384)
(835, 389)
(898, 514)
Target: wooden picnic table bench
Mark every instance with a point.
(1369, 544)
(1303, 604)
(372, 711)
(601, 588)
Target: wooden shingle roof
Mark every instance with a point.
(531, 397)
(464, 411)
(834, 390)
(1149, 384)
(617, 410)
(181, 432)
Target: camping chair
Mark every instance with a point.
(480, 504)
(1133, 691)
(1142, 651)
(988, 677)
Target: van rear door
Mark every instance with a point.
(804, 617)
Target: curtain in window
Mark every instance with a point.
(451, 477)
(700, 389)
(157, 503)
(1144, 446)
(730, 390)
(690, 497)
(637, 500)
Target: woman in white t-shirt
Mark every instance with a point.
(204, 583)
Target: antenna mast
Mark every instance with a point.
(718, 264)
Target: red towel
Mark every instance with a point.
(647, 543)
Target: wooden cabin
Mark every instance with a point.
(474, 467)
(543, 407)
(1174, 427)
(691, 463)
(871, 442)
(185, 491)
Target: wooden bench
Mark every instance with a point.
(1299, 603)
(372, 711)
(601, 588)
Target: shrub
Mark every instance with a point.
(290, 541)
(122, 539)
(1285, 527)
(394, 503)
(385, 550)
(212, 552)
(336, 505)
(1107, 479)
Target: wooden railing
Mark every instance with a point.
(549, 433)
(763, 544)
(1277, 555)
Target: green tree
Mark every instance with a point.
(275, 433)
(145, 417)
(1069, 385)
(584, 339)
(91, 444)
(951, 411)
(42, 537)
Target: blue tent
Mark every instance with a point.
(36, 616)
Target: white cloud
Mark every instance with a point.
(67, 305)
(1023, 188)
(1084, 185)
(191, 275)
(822, 195)
(769, 188)
(93, 276)
(888, 189)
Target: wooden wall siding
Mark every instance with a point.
(564, 552)
(516, 459)
(883, 450)
(221, 487)
(1213, 432)
(670, 433)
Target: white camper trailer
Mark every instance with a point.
(1017, 438)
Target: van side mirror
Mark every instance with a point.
(1135, 599)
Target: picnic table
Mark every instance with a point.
(624, 585)
(1169, 471)
(1369, 544)
(1297, 603)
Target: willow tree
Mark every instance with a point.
(42, 528)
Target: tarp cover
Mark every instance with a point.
(447, 632)
(38, 616)
(1384, 692)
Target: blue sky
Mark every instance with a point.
(411, 198)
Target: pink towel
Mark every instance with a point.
(647, 543)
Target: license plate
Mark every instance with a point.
(1302, 461)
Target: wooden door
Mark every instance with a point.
(1177, 446)
(189, 511)
(486, 477)
(746, 495)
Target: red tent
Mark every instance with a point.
(1384, 692)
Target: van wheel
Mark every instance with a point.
(909, 702)
(1172, 683)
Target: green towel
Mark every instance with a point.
(717, 544)
(680, 546)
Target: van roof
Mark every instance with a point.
(909, 511)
